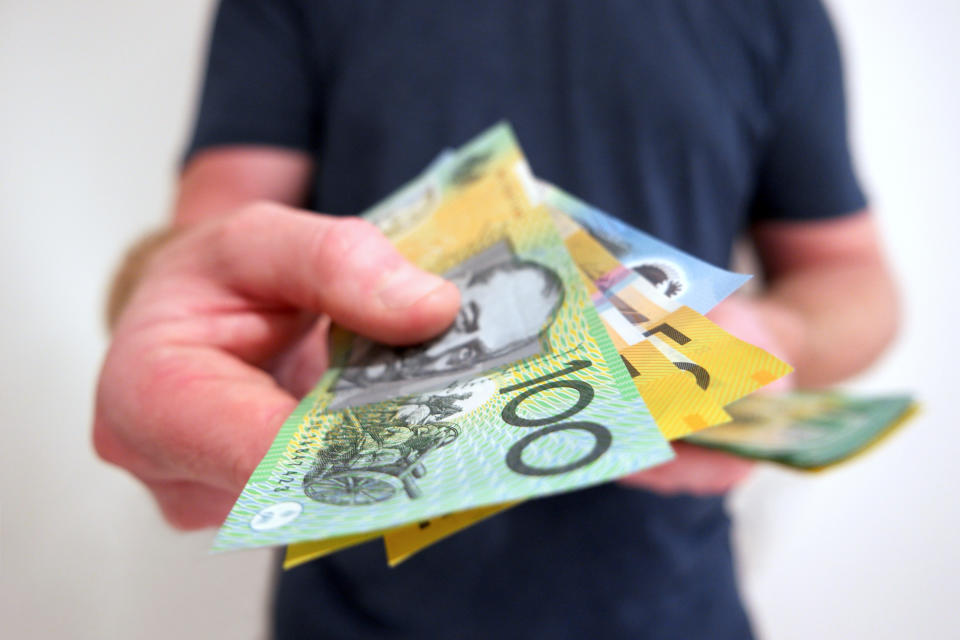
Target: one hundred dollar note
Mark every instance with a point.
(807, 430)
(522, 397)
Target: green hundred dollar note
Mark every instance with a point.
(523, 396)
(806, 430)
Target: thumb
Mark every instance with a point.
(344, 267)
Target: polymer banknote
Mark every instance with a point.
(299, 553)
(523, 396)
(672, 277)
(807, 430)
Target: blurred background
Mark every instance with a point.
(97, 100)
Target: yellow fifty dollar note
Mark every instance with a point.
(675, 399)
(403, 542)
(302, 552)
(726, 367)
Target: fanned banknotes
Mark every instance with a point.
(524, 396)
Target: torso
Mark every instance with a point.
(654, 111)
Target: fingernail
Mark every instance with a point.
(406, 285)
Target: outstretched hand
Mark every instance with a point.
(186, 400)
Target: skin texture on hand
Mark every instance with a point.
(186, 400)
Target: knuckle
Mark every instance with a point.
(249, 220)
(344, 236)
(240, 469)
(242, 459)
(230, 240)
(351, 245)
(227, 234)
(261, 209)
(107, 443)
(358, 227)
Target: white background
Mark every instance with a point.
(95, 100)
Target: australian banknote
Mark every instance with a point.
(807, 430)
(671, 277)
(524, 396)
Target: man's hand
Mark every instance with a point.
(701, 471)
(185, 401)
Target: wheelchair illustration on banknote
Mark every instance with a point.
(366, 460)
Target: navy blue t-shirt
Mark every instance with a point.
(690, 119)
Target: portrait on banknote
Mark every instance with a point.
(506, 305)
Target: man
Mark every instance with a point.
(695, 121)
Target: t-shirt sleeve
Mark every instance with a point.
(806, 171)
(261, 82)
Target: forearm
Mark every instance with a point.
(833, 320)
